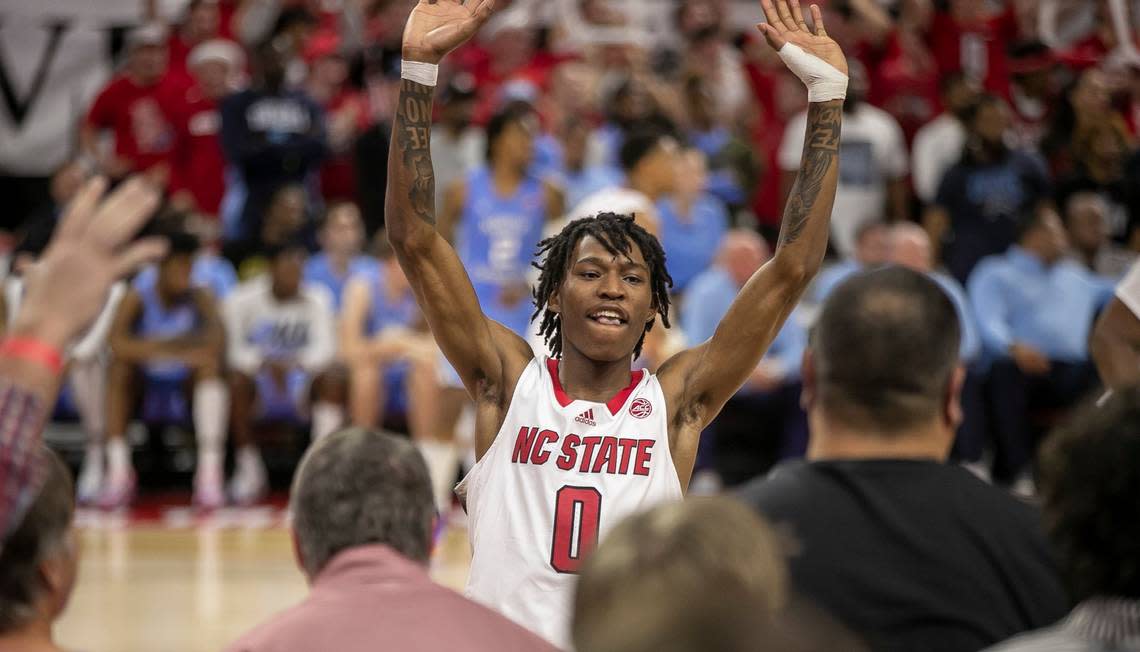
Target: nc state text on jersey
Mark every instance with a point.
(593, 454)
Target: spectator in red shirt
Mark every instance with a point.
(129, 107)
(202, 22)
(970, 39)
(1032, 91)
(507, 51)
(346, 110)
(198, 164)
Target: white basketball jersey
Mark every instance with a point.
(559, 475)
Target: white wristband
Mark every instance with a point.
(823, 80)
(419, 72)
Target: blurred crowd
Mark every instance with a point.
(987, 205)
(987, 144)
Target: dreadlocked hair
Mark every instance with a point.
(617, 233)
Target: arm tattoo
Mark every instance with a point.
(821, 149)
(412, 139)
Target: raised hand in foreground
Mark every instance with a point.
(91, 249)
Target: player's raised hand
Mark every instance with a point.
(91, 249)
(786, 24)
(436, 27)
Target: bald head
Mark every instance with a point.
(741, 253)
(909, 246)
(871, 243)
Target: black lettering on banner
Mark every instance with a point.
(18, 107)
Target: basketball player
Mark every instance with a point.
(495, 217)
(281, 344)
(382, 341)
(569, 445)
(341, 237)
(168, 335)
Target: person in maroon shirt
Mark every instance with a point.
(129, 107)
(197, 162)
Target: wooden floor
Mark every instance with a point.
(185, 584)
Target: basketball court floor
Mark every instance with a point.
(163, 578)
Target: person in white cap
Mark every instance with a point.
(198, 164)
(129, 107)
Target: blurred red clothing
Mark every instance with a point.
(338, 174)
(177, 72)
(178, 50)
(904, 81)
(143, 134)
(197, 161)
(767, 134)
(489, 81)
(978, 48)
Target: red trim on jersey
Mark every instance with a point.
(615, 404)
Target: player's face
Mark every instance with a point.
(605, 302)
(287, 269)
(344, 232)
(174, 275)
(517, 141)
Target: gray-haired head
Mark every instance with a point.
(358, 487)
(37, 563)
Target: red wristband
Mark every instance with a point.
(33, 350)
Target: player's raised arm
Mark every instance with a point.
(708, 375)
(474, 345)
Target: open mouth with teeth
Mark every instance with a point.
(608, 317)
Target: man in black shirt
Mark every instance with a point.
(984, 196)
(911, 553)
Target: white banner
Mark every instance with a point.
(55, 55)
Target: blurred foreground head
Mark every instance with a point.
(705, 574)
(38, 560)
(1089, 478)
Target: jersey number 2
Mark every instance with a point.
(577, 515)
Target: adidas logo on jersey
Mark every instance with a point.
(586, 417)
